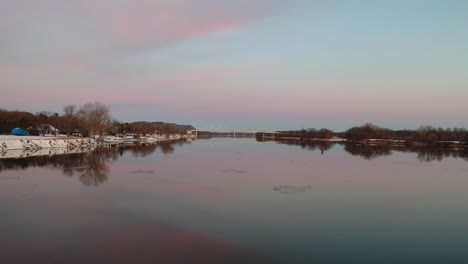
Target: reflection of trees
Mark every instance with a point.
(95, 169)
(137, 150)
(181, 142)
(324, 146)
(166, 147)
(428, 155)
(56, 161)
(424, 154)
(308, 144)
(368, 152)
(463, 154)
(72, 163)
(144, 150)
(91, 167)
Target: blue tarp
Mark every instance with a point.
(19, 132)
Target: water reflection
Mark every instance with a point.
(92, 168)
(322, 146)
(136, 150)
(369, 152)
(167, 148)
(424, 154)
(204, 205)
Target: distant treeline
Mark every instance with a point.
(89, 119)
(423, 134)
(370, 131)
(12, 119)
(86, 120)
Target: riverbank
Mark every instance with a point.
(23, 146)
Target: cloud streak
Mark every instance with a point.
(54, 30)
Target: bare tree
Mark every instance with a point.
(69, 114)
(95, 118)
(56, 118)
(325, 133)
(168, 129)
(43, 120)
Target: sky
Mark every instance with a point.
(243, 64)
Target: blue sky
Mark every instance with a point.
(262, 64)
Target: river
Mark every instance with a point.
(225, 200)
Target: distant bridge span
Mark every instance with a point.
(268, 134)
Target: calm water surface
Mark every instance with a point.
(236, 201)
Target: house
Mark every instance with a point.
(44, 129)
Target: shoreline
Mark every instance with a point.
(24, 146)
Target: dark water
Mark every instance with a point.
(236, 201)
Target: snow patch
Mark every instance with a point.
(34, 144)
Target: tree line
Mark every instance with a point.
(87, 120)
(427, 134)
(368, 131)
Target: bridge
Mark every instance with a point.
(265, 134)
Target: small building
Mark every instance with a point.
(44, 129)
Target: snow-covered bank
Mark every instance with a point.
(19, 153)
(29, 145)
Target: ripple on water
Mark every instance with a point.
(9, 178)
(234, 171)
(143, 171)
(288, 189)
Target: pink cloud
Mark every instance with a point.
(114, 28)
(161, 27)
(165, 22)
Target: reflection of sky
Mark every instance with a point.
(393, 207)
(60, 221)
(262, 64)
